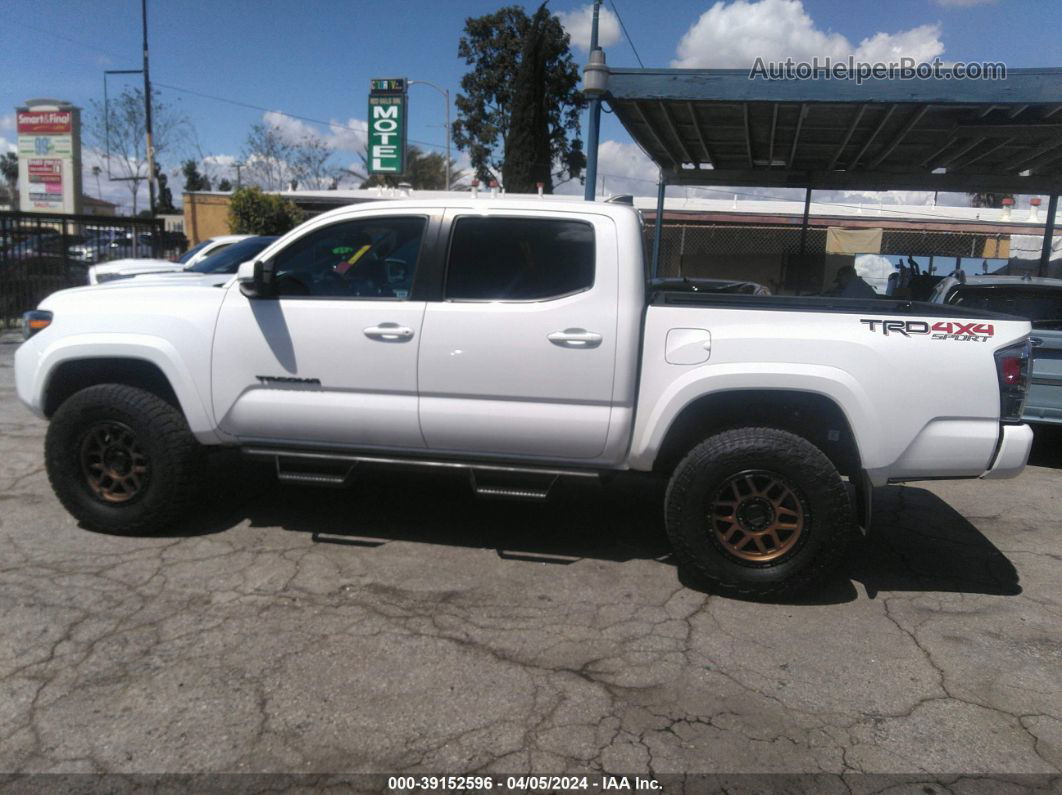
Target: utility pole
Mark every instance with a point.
(147, 113)
(238, 166)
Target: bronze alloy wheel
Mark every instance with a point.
(757, 516)
(113, 462)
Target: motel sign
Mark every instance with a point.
(387, 126)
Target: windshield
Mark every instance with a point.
(1031, 302)
(193, 251)
(229, 260)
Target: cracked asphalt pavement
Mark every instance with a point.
(402, 625)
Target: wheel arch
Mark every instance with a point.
(72, 375)
(810, 415)
(147, 363)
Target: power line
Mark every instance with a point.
(329, 124)
(322, 122)
(625, 33)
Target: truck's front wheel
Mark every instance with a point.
(122, 460)
(758, 511)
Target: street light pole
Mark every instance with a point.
(147, 114)
(446, 95)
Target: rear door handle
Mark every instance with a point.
(575, 338)
(389, 332)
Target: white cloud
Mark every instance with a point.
(735, 34)
(922, 43)
(874, 269)
(621, 168)
(349, 136)
(7, 146)
(578, 23)
(7, 121)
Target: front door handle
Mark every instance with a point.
(389, 332)
(575, 338)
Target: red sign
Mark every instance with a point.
(48, 170)
(44, 122)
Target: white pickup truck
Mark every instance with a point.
(520, 339)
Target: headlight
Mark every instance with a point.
(35, 320)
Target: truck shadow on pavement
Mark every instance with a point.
(917, 541)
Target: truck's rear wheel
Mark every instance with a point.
(122, 460)
(758, 511)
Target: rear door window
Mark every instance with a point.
(519, 259)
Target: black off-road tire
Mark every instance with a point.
(824, 506)
(174, 459)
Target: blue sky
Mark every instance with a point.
(315, 58)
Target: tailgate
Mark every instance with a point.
(1044, 402)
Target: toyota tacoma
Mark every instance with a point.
(523, 341)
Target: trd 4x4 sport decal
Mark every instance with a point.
(969, 332)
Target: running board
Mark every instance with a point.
(288, 461)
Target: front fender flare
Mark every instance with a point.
(156, 350)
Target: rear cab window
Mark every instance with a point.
(1041, 305)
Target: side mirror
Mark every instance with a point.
(256, 279)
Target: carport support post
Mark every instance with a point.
(593, 131)
(1049, 235)
(804, 223)
(658, 226)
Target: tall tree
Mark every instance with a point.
(311, 164)
(193, 180)
(423, 172)
(9, 171)
(267, 154)
(527, 150)
(276, 161)
(119, 128)
(224, 185)
(164, 200)
(494, 46)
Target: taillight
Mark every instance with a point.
(1010, 370)
(1012, 366)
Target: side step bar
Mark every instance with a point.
(327, 468)
(522, 487)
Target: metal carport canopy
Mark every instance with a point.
(720, 127)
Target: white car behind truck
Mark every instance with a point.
(128, 268)
(520, 340)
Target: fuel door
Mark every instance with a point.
(688, 346)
